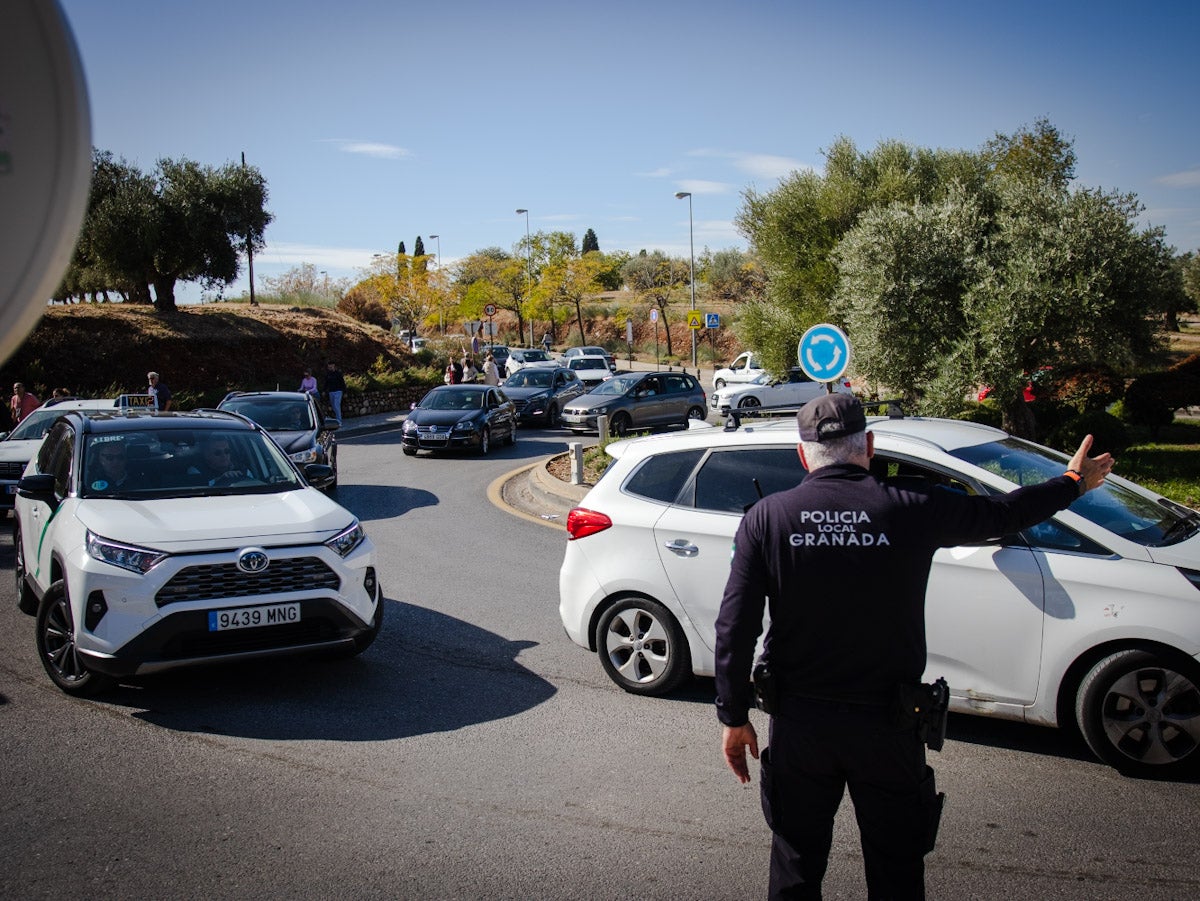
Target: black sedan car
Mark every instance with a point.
(638, 400)
(457, 417)
(540, 393)
(296, 423)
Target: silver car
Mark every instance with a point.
(638, 400)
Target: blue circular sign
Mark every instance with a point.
(824, 353)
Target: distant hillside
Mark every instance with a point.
(201, 351)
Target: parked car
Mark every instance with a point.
(148, 541)
(767, 391)
(540, 392)
(296, 423)
(745, 367)
(520, 357)
(592, 370)
(460, 417)
(590, 350)
(1089, 619)
(638, 400)
(20, 445)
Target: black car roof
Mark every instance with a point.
(269, 395)
(110, 423)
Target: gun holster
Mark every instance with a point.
(926, 708)
(766, 689)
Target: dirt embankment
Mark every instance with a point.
(99, 350)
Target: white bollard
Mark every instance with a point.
(602, 427)
(575, 448)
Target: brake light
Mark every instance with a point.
(582, 522)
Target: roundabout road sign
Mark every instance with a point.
(824, 353)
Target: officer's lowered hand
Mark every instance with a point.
(735, 740)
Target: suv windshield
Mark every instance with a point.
(274, 415)
(526, 378)
(177, 463)
(1121, 510)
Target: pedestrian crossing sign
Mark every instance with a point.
(695, 319)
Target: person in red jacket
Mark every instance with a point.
(22, 404)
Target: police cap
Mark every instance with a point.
(831, 416)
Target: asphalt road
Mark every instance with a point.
(474, 752)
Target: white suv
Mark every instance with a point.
(147, 541)
(1089, 618)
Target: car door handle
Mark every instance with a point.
(681, 547)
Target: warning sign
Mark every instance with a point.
(695, 319)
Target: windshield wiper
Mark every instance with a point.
(1182, 528)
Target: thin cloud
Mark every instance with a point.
(374, 149)
(1189, 178)
(699, 186)
(286, 253)
(661, 172)
(764, 165)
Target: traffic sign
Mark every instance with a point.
(712, 320)
(490, 310)
(654, 315)
(824, 353)
(695, 319)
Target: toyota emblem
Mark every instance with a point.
(253, 560)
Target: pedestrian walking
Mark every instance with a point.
(491, 372)
(335, 386)
(845, 649)
(160, 394)
(308, 384)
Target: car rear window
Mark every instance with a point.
(662, 476)
(726, 483)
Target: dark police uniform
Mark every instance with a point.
(843, 561)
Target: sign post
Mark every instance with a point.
(654, 319)
(824, 354)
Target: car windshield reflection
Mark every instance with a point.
(1128, 513)
(452, 400)
(527, 379)
(616, 385)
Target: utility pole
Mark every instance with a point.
(249, 251)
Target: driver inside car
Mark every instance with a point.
(217, 466)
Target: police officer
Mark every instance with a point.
(847, 631)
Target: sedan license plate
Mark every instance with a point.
(249, 617)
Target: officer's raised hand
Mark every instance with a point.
(1091, 470)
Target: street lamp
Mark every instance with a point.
(679, 195)
(528, 271)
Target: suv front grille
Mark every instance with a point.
(213, 581)
(11, 470)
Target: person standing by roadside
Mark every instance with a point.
(308, 384)
(491, 372)
(546, 342)
(846, 643)
(335, 386)
(22, 404)
(470, 374)
(160, 394)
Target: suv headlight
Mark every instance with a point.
(136, 559)
(306, 456)
(347, 540)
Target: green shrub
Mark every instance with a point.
(1108, 433)
(985, 412)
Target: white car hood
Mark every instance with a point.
(1185, 554)
(19, 451)
(197, 523)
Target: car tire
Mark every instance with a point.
(641, 647)
(26, 600)
(409, 451)
(55, 637)
(619, 425)
(1139, 711)
(719, 384)
(485, 442)
(747, 403)
(697, 413)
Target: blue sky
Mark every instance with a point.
(375, 121)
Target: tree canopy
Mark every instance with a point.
(183, 222)
(951, 269)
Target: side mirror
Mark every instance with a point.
(38, 487)
(316, 472)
